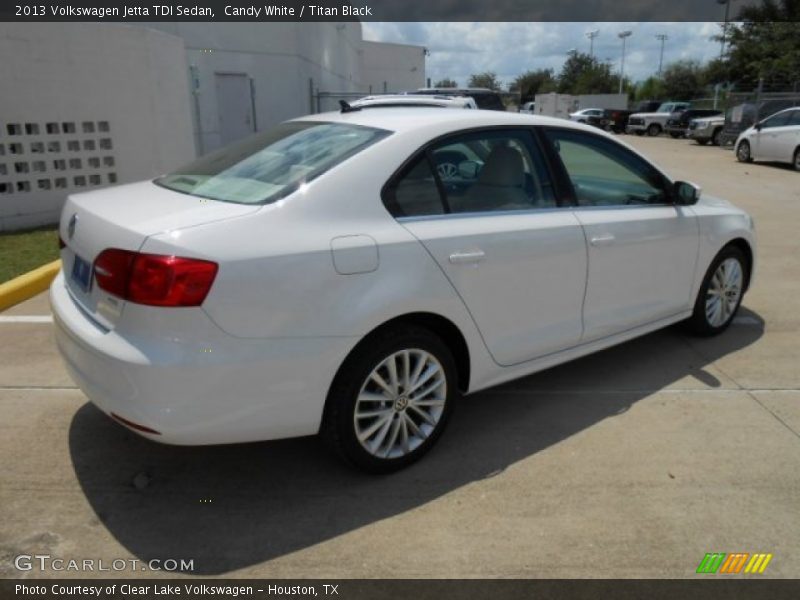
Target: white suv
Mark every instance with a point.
(654, 123)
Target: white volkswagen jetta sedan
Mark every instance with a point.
(352, 273)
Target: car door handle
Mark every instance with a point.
(471, 256)
(602, 240)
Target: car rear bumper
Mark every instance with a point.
(208, 388)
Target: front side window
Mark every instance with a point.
(779, 120)
(604, 173)
(795, 118)
(268, 166)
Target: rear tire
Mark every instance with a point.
(702, 142)
(721, 292)
(743, 152)
(653, 130)
(391, 399)
(715, 137)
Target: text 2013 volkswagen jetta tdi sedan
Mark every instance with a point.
(351, 273)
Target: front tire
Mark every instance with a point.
(743, 152)
(653, 130)
(675, 136)
(715, 137)
(702, 142)
(796, 160)
(721, 293)
(391, 399)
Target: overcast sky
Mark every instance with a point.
(508, 49)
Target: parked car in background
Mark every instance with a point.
(583, 115)
(485, 98)
(776, 138)
(653, 123)
(528, 108)
(616, 120)
(353, 273)
(742, 116)
(391, 100)
(678, 122)
(706, 129)
(647, 106)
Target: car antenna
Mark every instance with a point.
(346, 108)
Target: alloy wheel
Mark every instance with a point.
(724, 292)
(400, 403)
(743, 152)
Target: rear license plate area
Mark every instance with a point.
(82, 273)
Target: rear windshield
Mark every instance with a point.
(268, 166)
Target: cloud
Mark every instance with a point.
(508, 49)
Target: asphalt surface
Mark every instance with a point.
(633, 462)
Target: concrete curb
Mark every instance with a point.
(28, 285)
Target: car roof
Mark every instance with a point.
(413, 99)
(405, 119)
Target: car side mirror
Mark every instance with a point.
(686, 193)
(758, 126)
(469, 169)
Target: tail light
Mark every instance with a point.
(154, 279)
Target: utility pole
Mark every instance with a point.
(727, 4)
(591, 35)
(663, 37)
(623, 35)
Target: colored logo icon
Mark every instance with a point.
(737, 562)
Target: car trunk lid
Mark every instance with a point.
(124, 217)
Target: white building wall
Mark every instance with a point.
(393, 67)
(283, 60)
(155, 86)
(92, 77)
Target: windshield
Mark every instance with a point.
(268, 166)
(666, 108)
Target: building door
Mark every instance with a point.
(235, 105)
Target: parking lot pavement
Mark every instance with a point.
(633, 462)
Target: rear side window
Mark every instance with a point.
(415, 192)
(268, 166)
(480, 172)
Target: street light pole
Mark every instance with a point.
(623, 35)
(727, 4)
(591, 35)
(663, 37)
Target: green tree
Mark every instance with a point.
(683, 80)
(487, 79)
(584, 74)
(764, 44)
(651, 88)
(530, 83)
(446, 83)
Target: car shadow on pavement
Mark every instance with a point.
(232, 507)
